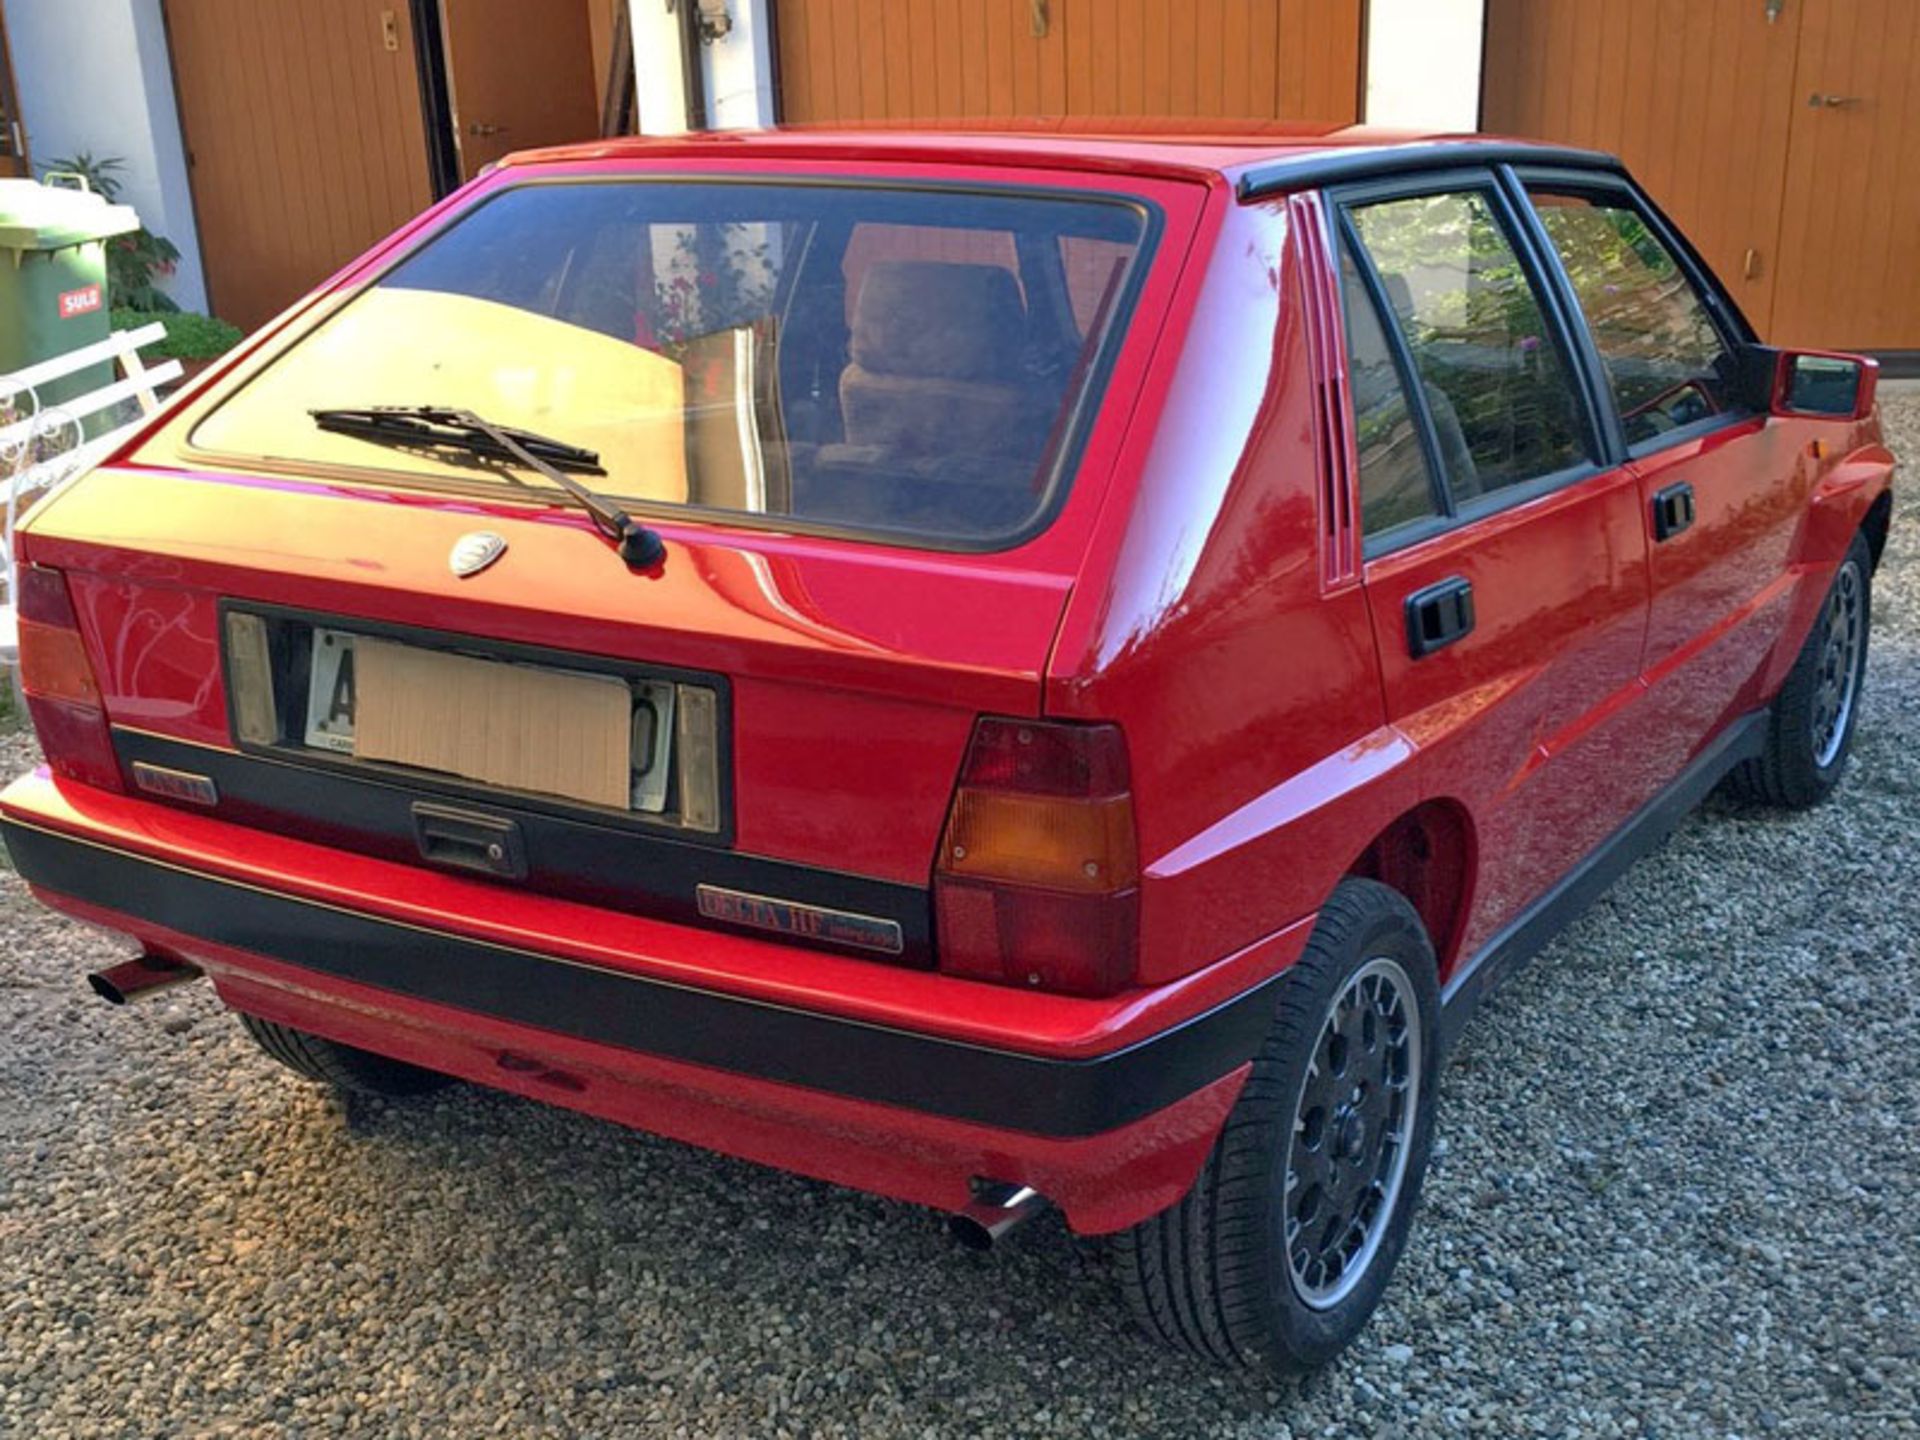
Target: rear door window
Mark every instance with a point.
(911, 363)
(1493, 379)
(1665, 359)
(1396, 487)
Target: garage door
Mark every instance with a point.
(304, 139)
(1774, 131)
(846, 60)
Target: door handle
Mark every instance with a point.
(1439, 615)
(1672, 510)
(481, 129)
(1817, 101)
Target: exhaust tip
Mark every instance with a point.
(994, 1212)
(137, 979)
(971, 1234)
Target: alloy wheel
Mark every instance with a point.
(1352, 1127)
(1843, 633)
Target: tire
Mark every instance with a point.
(355, 1071)
(1217, 1274)
(1811, 721)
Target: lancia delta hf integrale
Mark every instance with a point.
(1002, 669)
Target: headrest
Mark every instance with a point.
(934, 319)
(1399, 293)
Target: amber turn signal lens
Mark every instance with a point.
(1083, 846)
(54, 666)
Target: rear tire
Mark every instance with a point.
(1252, 1266)
(359, 1072)
(1811, 721)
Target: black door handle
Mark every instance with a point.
(1672, 510)
(1439, 615)
(469, 841)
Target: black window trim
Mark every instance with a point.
(1520, 228)
(1723, 314)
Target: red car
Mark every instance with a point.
(999, 669)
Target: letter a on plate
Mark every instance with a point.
(474, 551)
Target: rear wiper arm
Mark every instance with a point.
(447, 426)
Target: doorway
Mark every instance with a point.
(519, 76)
(312, 131)
(14, 161)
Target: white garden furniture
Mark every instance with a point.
(46, 445)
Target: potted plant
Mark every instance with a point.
(195, 340)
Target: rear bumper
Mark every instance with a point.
(1106, 1106)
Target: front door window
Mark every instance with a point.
(1665, 359)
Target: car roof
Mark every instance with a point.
(1257, 157)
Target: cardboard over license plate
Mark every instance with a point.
(553, 732)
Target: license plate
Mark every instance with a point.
(330, 692)
(333, 697)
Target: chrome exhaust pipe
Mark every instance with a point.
(993, 1213)
(137, 979)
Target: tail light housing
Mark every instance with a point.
(57, 679)
(1037, 883)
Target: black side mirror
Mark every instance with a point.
(1813, 384)
(1808, 382)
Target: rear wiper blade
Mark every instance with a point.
(442, 425)
(448, 426)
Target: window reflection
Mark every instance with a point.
(1504, 410)
(1663, 356)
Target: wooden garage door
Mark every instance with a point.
(905, 59)
(13, 134)
(1809, 212)
(304, 136)
(1849, 271)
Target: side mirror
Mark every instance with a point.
(1824, 383)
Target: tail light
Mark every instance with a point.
(57, 679)
(1036, 883)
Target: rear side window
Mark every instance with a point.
(1395, 485)
(911, 363)
(1663, 355)
(1503, 407)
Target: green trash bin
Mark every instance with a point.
(53, 280)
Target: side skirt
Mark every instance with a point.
(1529, 932)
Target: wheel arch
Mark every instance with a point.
(1430, 854)
(1878, 523)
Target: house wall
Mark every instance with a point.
(1423, 63)
(739, 70)
(659, 92)
(93, 75)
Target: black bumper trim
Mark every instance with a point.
(962, 1081)
(370, 812)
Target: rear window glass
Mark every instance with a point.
(907, 361)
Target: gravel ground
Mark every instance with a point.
(1675, 1198)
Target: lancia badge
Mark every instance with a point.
(475, 551)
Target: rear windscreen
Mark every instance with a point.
(911, 361)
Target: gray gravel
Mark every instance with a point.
(1676, 1198)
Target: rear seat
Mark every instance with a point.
(937, 364)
